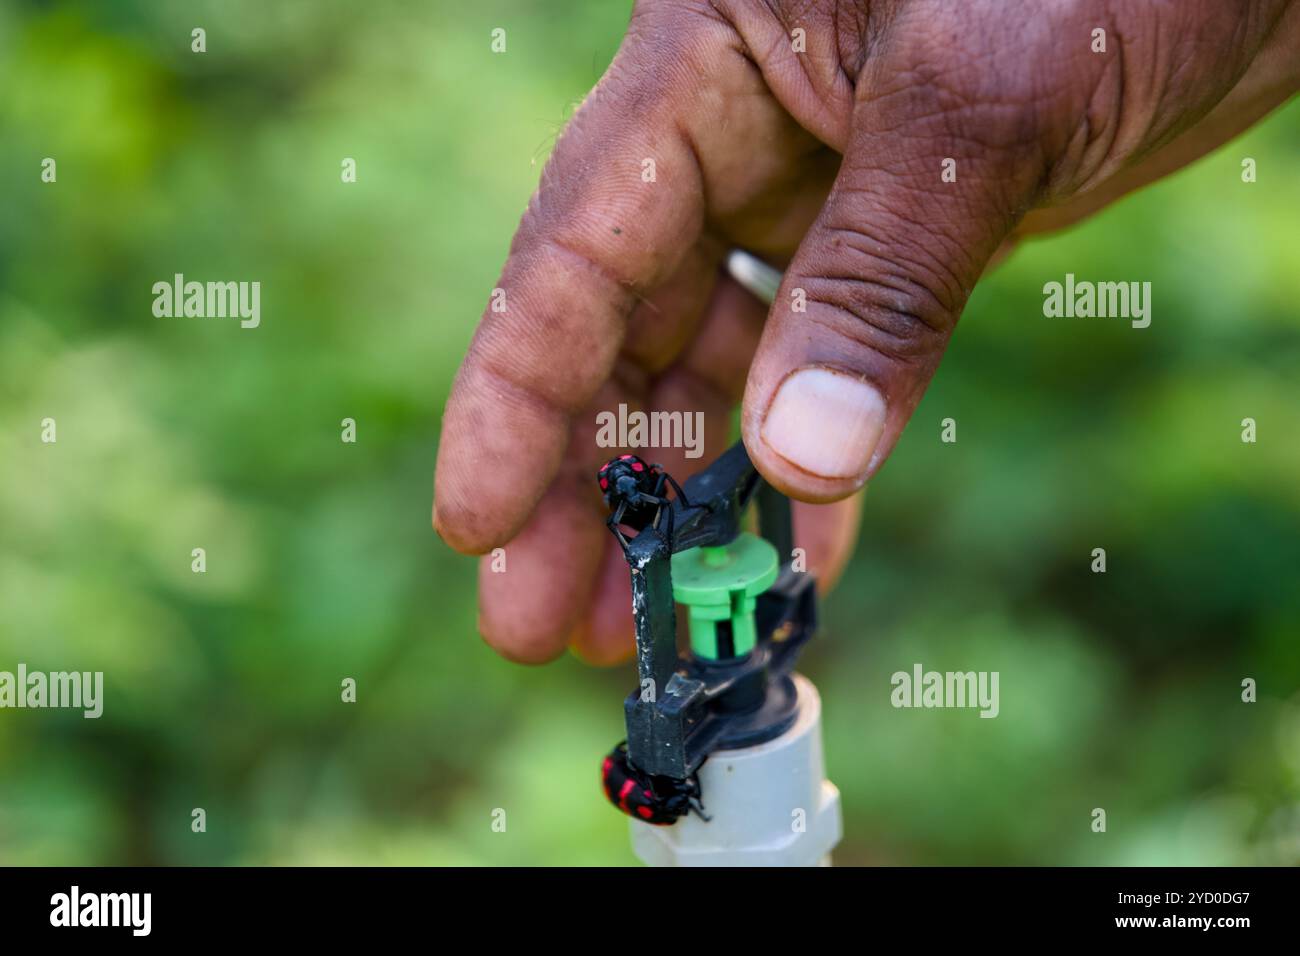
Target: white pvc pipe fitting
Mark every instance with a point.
(769, 805)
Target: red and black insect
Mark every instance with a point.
(634, 494)
(657, 800)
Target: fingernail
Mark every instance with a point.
(825, 422)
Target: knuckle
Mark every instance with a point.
(896, 291)
(878, 317)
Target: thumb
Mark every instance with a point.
(869, 302)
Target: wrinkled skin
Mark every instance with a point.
(830, 161)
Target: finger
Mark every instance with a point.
(534, 592)
(871, 298)
(619, 204)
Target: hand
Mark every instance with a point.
(709, 130)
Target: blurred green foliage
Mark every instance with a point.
(1119, 691)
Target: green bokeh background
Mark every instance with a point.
(1119, 691)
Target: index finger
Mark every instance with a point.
(620, 202)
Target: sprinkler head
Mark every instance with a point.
(750, 614)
